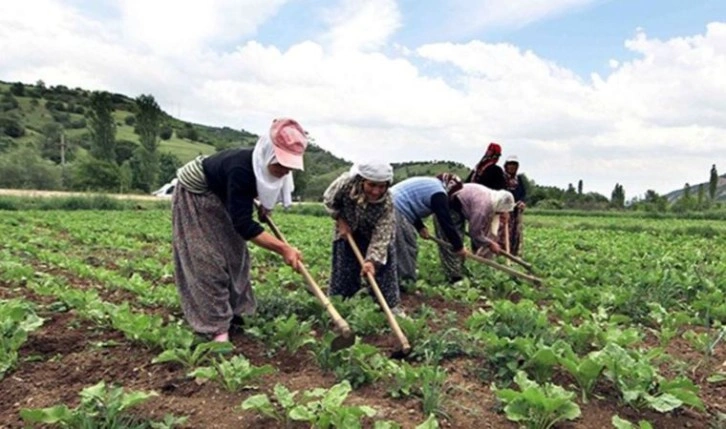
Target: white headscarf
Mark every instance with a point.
(270, 189)
(502, 201)
(374, 171)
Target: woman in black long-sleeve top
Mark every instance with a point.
(487, 172)
(212, 220)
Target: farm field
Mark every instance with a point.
(629, 325)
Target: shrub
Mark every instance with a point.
(12, 127)
(166, 132)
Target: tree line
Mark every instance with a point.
(97, 160)
(55, 161)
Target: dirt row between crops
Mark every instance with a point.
(68, 354)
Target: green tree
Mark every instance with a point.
(17, 89)
(49, 142)
(12, 127)
(125, 150)
(168, 164)
(713, 182)
(301, 179)
(166, 132)
(126, 177)
(148, 122)
(617, 198)
(579, 187)
(686, 202)
(655, 202)
(102, 127)
(92, 174)
(142, 165)
(700, 196)
(23, 168)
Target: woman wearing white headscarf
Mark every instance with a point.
(361, 205)
(212, 220)
(482, 208)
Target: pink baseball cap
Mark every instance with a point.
(289, 141)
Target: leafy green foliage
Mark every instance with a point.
(537, 406)
(150, 329)
(363, 315)
(585, 370)
(102, 127)
(620, 423)
(427, 383)
(641, 385)
(193, 356)
(17, 319)
(321, 408)
(441, 345)
(287, 332)
(234, 374)
(507, 319)
(359, 364)
(100, 407)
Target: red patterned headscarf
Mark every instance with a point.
(491, 156)
(451, 182)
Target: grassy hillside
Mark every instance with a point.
(36, 107)
(33, 107)
(720, 191)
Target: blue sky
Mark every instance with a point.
(630, 92)
(583, 39)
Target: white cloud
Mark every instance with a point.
(362, 25)
(172, 27)
(468, 16)
(654, 122)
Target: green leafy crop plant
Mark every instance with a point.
(17, 320)
(234, 374)
(100, 407)
(321, 408)
(284, 331)
(538, 406)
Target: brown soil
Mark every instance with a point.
(67, 354)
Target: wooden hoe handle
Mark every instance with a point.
(405, 346)
(532, 279)
(342, 325)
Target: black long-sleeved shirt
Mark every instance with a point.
(231, 177)
(519, 193)
(492, 177)
(440, 207)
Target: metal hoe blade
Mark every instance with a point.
(342, 342)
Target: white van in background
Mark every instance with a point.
(167, 190)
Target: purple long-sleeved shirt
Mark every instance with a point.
(478, 209)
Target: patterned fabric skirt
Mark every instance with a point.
(515, 233)
(406, 245)
(211, 263)
(345, 279)
(453, 265)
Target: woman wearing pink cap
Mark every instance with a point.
(212, 221)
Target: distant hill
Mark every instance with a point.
(720, 191)
(35, 106)
(27, 109)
